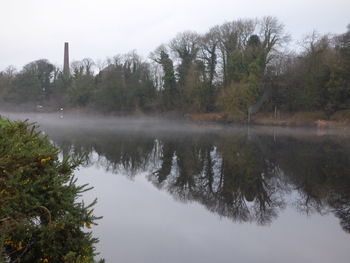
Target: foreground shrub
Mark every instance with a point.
(40, 217)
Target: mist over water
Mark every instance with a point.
(110, 123)
(175, 191)
(157, 125)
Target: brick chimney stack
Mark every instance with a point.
(66, 60)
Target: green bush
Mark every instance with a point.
(3, 122)
(236, 99)
(41, 219)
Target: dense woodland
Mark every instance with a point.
(237, 67)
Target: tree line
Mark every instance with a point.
(238, 67)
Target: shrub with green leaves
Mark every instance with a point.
(3, 122)
(41, 219)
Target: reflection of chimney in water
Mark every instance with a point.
(66, 60)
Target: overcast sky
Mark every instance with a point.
(34, 29)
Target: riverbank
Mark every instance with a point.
(299, 119)
(40, 219)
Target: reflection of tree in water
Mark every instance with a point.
(245, 178)
(342, 210)
(126, 153)
(231, 179)
(116, 153)
(320, 171)
(75, 146)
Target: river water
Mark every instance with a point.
(179, 192)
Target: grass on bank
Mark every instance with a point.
(315, 118)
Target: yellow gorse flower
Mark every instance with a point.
(26, 181)
(17, 246)
(3, 192)
(44, 160)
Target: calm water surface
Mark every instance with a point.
(175, 192)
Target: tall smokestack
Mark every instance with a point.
(66, 60)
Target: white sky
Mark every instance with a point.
(34, 29)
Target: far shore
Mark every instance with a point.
(316, 119)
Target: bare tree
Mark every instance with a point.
(88, 66)
(208, 53)
(233, 37)
(273, 37)
(185, 47)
